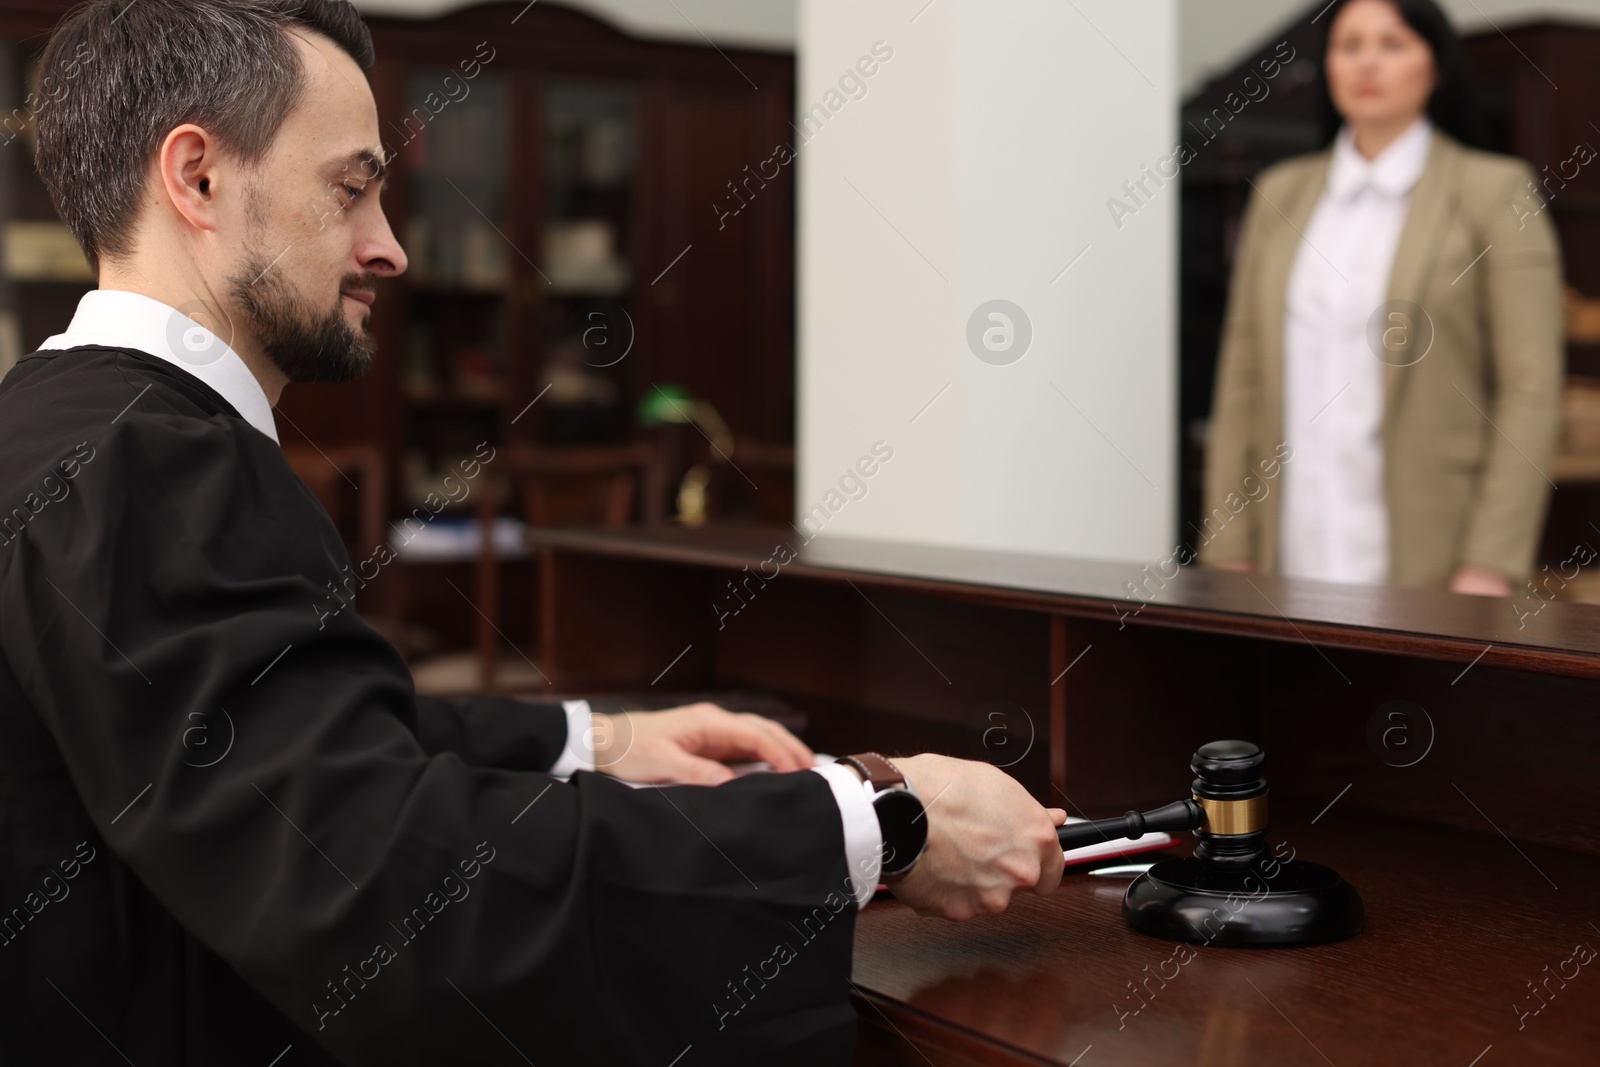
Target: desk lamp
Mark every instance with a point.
(671, 404)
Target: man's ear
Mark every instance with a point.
(187, 166)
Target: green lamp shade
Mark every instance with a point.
(665, 403)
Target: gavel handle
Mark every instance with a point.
(1184, 815)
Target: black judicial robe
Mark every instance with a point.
(230, 829)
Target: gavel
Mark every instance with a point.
(1234, 890)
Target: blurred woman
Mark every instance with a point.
(1393, 340)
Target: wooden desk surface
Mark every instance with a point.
(1456, 925)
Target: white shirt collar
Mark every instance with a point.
(1394, 171)
(117, 318)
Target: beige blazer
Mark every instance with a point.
(1469, 431)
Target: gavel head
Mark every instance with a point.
(1233, 797)
(1231, 892)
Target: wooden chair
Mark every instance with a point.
(599, 485)
(351, 484)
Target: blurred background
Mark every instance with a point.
(640, 291)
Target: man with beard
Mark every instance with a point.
(230, 829)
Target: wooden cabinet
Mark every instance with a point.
(1535, 87)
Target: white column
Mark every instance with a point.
(973, 164)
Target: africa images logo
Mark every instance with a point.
(999, 332)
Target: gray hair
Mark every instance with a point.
(119, 75)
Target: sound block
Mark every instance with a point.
(1187, 900)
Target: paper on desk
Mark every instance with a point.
(1119, 846)
(739, 771)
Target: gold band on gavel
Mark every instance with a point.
(1234, 816)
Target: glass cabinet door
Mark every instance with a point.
(453, 157)
(455, 164)
(586, 325)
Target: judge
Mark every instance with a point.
(230, 830)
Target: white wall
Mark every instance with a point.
(977, 166)
(747, 23)
(1218, 34)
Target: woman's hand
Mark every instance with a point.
(688, 744)
(1238, 566)
(1481, 581)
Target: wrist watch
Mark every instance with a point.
(900, 812)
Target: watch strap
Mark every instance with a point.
(877, 770)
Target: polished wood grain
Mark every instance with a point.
(622, 625)
(1457, 924)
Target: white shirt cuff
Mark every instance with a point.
(863, 840)
(578, 753)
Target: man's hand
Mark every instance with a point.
(685, 744)
(987, 838)
(1238, 566)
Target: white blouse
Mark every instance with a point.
(1334, 522)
